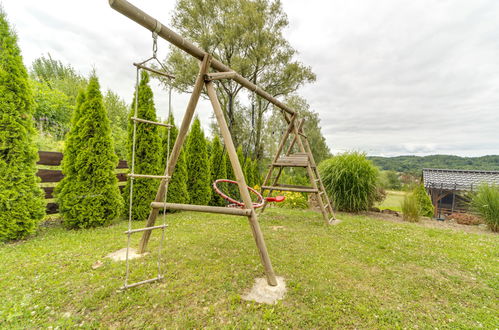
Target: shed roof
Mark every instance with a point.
(458, 179)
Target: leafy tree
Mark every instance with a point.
(218, 168)
(424, 201)
(351, 180)
(89, 195)
(58, 76)
(390, 180)
(177, 187)
(117, 111)
(53, 109)
(147, 151)
(198, 166)
(276, 126)
(248, 36)
(21, 200)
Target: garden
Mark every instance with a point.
(362, 270)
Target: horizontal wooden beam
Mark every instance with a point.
(301, 189)
(220, 75)
(153, 25)
(201, 208)
(164, 74)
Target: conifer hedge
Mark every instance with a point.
(21, 200)
(177, 187)
(198, 166)
(89, 194)
(218, 168)
(424, 201)
(147, 152)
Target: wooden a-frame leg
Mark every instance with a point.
(182, 133)
(243, 189)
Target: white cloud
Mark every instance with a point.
(394, 77)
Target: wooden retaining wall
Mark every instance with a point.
(49, 171)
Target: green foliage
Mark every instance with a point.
(248, 35)
(390, 180)
(177, 187)
(89, 194)
(411, 210)
(53, 110)
(21, 200)
(424, 201)
(294, 200)
(218, 168)
(415, 164)
(351, 181)
(117, 111)
(485, 202)
(58, 76)
(147, 152)
(198, 166)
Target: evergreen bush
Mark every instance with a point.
(218, 168)
(147, 152)
(89, 194)
(198, 166)
(22, 204)
(351, 180)
(177, 187)
(424, 201)
(485, 202)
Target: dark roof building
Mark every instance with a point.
(447, 187)
(467, 180)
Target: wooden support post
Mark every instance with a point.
(243, 189)
(182, 134)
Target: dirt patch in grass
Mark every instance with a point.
(431, 223)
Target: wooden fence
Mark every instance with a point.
(49, 171)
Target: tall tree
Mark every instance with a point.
(89, 196)
(117, 111)
(198, 166)
(177, 187)
(248, 36)
(21, 200)
(147, 151)
(218, 168)
(276, 126)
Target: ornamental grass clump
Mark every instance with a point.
(485, 202)
(351, 180)
(411, 211)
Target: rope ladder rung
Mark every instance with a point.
(145, 229)
(145, 121)
(149, 176)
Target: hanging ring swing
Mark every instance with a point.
(237, 203)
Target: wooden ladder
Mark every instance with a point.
(303, 159)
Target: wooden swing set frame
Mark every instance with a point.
(205, 79)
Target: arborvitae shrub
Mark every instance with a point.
(351, 181)
(198, 166)
(21, 200)
(218, 168)
(424, 201)
(89, 196)
(147, 152)
(177, 187)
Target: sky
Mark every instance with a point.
(394, 77)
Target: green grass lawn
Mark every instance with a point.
(362, 273)
(393, 200)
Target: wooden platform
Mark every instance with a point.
(289, 187)
(293, 160)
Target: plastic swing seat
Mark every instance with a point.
(236, 203)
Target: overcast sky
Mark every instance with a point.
(394, 77)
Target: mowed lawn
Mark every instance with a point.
(393, 200)
(362, 273)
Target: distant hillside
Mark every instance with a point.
(414, 164)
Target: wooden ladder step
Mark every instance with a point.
(304, 189)
(148, 176)
(128, 286)
(202, 208)
(145, 121)
(145, 229)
